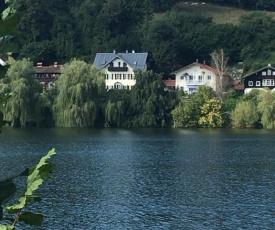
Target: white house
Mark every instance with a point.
(120, 68)
(190, 77)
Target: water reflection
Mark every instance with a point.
(151, 179)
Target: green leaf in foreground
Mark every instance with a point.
(9, 227)
(40, 173)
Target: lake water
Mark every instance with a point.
(149, 178)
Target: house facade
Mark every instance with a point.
(47, 75)
(191, 77)
(260, 79)
(119, 68)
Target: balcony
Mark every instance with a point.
(193, 82)
(117, 69)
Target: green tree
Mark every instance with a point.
(25, 103)
(260, 28)
(162, 40)
(80, 91)
(182, 115)
(266, 108)
(188, 112)
(149, 104)
(211, 112)
(116, 108)
(245, 115)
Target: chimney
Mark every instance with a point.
(197, 60)
(204, 62)
(39, 64)
(114, 51)
(55, 64)
(126, 51)
(133, 51)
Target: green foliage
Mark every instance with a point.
(37, 177)
(230, 100)
(266, 108)
(182, 115)
(260, 29)
(80, 91)
(188, 113)
(162, 39)
(26, 93)
(116, 109)
(12, 8)
(149, 104)
(245, 115)
(211, 112)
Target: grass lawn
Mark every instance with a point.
(220, 14)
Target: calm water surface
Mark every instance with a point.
(149, 178)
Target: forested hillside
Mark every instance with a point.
(50, 31)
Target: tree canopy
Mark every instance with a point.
(26, 93)
(80, 87)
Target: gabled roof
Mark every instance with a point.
(259, 70)
(136, 60)
(48, 69)
(203, 66)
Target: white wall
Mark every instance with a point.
(200, 75)
(120, 79)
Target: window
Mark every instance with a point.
(111, 64)
(181, 77)
(269, 72)
(182, 88)
(200, 79)
(268, 82)
(264, 73)
(273, 73)
(209, 77)
(258, 83)
(191, 77)
(119, 64)
(250, 83)
(124, 64)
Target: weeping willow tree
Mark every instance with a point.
(25, 103)
(266, 108)
(80, 91)
(245, 115)
(116, 109)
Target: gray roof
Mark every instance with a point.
(136, 60)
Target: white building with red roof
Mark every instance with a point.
(191, 77)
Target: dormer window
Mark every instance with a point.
(119, 64)
(124, 64)
(111, 64)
